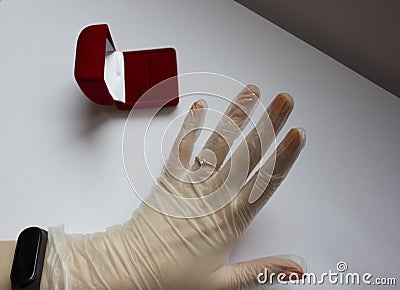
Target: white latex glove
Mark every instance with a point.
(154, 250)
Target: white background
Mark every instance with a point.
(61, 157)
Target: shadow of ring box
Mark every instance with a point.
(107, 76)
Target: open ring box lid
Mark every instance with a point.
(108, 76)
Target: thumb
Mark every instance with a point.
(260, 271)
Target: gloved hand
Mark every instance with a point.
(182, 235)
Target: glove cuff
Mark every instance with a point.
(58, 274)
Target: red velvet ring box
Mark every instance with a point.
(107, 76)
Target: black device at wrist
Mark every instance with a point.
(27, 267)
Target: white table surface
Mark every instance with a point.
(60, 154)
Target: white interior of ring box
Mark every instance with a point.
(114, 74)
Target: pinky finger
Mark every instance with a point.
(263, 184)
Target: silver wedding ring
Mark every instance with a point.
(203, 161)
